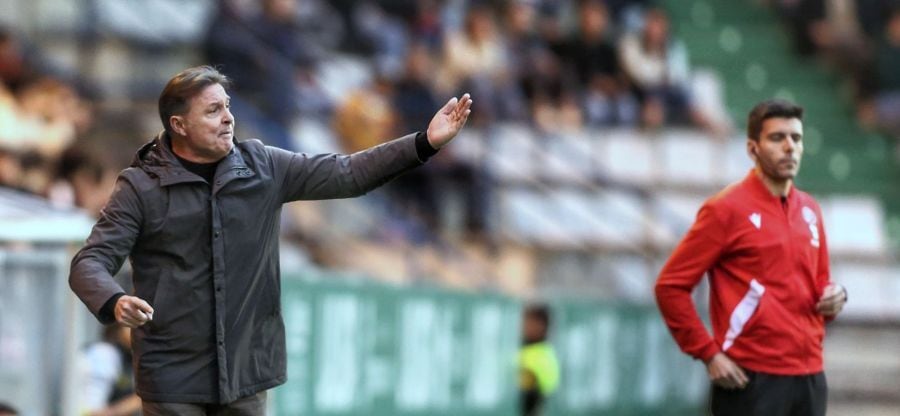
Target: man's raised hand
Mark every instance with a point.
(449, 120)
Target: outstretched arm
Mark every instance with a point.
(329, 176)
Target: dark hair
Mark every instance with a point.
(7, 409)
(186, 84)
(539, 313)
(770, 109)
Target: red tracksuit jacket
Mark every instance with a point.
(767, 262)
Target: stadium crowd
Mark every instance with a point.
(558, 66)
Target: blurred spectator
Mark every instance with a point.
(63, 113)
(272, 58)
(805, 19)
(554, 105)
(10, 168)
(523, 48)
(366, 117)
(872, 15)
(43, 118)
(475, 61)
(657, 65)
(386, 35)
(627, 13)
(413, 98)
(884, 109)
(426, 26)
(46, 116)
(539, 367)
(413, 94)
(35, 173)
(15, 71)
(7, 410)
(107, 388)
(591, 54)
(82, 179)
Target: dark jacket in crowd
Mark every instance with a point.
(205, 256)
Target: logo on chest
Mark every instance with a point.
(756, 220)
(812, 221)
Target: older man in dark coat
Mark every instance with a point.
(198, 214)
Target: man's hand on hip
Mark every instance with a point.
(133, 311)
(448, 121)
(833, 299)
(726, 373)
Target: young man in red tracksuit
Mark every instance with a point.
(762, 243)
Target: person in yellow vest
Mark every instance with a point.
(539, 368)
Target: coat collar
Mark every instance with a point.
(157, 158)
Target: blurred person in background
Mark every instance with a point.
(83, 180)
(272, 56)
(107, 387)
(15, 69)
(198, 214)
(591, 55)
(883, 109)
(421, 189)
(523, 47)
(762, 243)
(656, 63)
(538, 365)
(475, 60)
(7, 410)
(366, 117)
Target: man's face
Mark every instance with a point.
(208, 126)
(779, 148)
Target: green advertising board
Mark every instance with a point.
(358, 347)
(620, 360)
(364, 348)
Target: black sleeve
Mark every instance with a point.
(423, 148)
(108, 311)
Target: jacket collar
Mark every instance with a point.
(157, 158)
(753, 182)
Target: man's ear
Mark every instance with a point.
(177, 124)
(752, 149)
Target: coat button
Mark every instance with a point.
(216, 234)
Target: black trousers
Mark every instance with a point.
(773, 395)
(248, 406)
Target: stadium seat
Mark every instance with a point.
(855, 226)
(626, 156)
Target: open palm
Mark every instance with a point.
(449, 120)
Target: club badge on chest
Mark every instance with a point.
(812, 221)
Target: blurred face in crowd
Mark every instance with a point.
(521, 17)
(419, 63)
(656, 28)
(205, 132)
(893, 29)
(280, 10)
(534, 329)
(480, 24)
(594, 19)
(778, 149)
